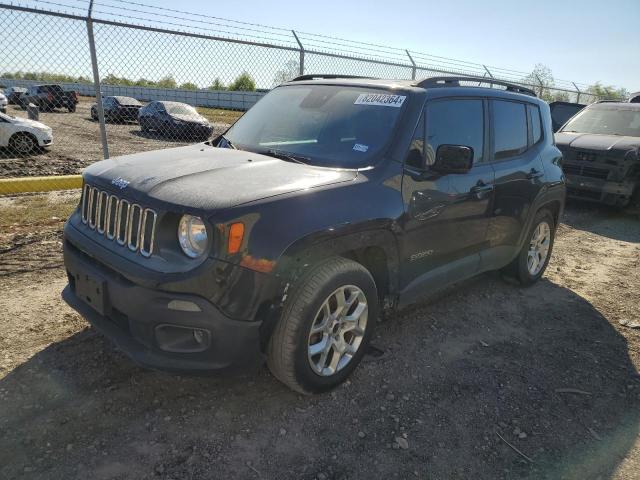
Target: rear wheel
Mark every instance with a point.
(71, 107)
(22, 143)
(325, 328)
(532, 261)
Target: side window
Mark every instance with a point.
(510, 129)
(415, 155)
(535, 122)
(455, 122)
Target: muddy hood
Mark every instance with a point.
(208, 178)
(606, 143)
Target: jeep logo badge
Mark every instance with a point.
(120, 182)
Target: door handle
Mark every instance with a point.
(533, 174)
(480, 189)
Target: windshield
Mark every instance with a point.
(127, 101)
(606, 120)
(180, 109)
(333, 126)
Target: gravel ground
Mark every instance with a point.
(77, 142)
(487, 380)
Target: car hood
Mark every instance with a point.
(203, 177)
(590, 141)
(25, 122)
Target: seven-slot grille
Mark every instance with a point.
(129, 224)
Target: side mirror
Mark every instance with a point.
(453, 159)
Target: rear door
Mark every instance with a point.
(517, 142)
(447, 215)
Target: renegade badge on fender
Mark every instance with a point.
(331, 199)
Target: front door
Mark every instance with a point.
(446, 215)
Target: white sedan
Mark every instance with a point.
(3, 102)
(22, 135)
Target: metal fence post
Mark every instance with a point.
(96, 84)
(413, 65)
(301, 52)
(579, 92)
(488, 72)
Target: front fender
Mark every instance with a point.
(340, 240)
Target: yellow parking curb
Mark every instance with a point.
(10, 186)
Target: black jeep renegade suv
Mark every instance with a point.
(330, 200)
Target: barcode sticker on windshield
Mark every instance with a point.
(380, 99)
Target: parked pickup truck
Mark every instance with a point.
(49, 97)
(329, 201)
(601, 150)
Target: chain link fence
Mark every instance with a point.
(166, 78)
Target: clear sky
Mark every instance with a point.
(584, 41)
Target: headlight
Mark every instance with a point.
(192, 235)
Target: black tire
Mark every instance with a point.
(72, 108)
(94, 114)
(22, 143)
(518, 269)
(287, 352)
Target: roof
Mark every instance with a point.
(448, 82)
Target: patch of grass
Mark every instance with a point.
(219, 115)
(43, 209)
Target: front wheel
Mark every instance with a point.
(532, 261)
(22, 144)
(325, 328)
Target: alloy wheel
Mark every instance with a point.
(538, 248)
(338, 330)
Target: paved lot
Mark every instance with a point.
(550, 369)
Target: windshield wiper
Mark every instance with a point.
(292, 157)
(228, 142)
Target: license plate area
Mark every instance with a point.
(92, 289)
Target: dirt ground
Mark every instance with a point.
(487, 380)
(77, 141)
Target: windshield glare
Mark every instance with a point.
(606, 120)
(179, 109)
(332, 126)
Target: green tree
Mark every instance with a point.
(290, 70)
(243, 82)
(189, 86)
(607, 92)
(217, 85)
(167, 82)
(560, 96)
(542, 81)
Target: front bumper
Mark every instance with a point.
(598, 190)
(45, 140)
(142, 324)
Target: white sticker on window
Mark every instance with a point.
(380, 99)
(358, 147)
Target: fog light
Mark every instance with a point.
(199, 336)
(176, 338)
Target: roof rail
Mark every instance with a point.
(434, 82)
(324, 76)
